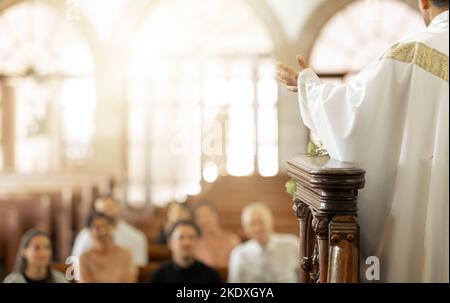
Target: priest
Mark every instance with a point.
(393, 121)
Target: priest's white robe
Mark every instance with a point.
(392, 120)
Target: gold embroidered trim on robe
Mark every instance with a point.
(421, 55)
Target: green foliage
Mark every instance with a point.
(313, 151)
(291, 187)
(316, 150)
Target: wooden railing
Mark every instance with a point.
(325, 203)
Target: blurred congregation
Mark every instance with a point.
(183, 242)
(147, 140)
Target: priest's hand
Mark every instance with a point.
(288, 75)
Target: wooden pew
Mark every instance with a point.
(223, 273)
(70, 198)
(17, 214)
(83, 187)
(159, 253)
(10, 232)
(35, 210)
(49, 212)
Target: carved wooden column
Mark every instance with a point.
(325, 204)
(302, 212)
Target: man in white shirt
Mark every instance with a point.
(124, 235)
(392, 120)
(267, 257)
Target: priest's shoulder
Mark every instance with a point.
(436, 43)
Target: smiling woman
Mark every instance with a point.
(33, 261)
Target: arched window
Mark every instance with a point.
(47, 90)
(202, 99)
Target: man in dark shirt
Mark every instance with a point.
(184, 268)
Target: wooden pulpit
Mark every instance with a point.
(325, 203)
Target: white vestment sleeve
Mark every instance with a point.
(341, 115)
(330, 110)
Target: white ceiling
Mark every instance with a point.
(292, 14)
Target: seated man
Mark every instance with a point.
(124, 234)
(215, 245)
(267, 257)
(184, 268)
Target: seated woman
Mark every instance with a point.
(33, 261)
(175, 212)
(215, 244)
(105, 262)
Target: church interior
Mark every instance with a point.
(155, 102)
